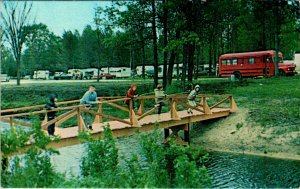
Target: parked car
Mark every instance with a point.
(4, 77)
(63, 76)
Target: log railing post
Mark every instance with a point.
(130, 109)
(233, 106)
(12, 124)
(79, 120)
(142, 107)
(98, 118)
(132, 116)
(173, 111)
(205, 106)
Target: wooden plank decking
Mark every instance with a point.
(69, 136)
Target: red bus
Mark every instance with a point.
(252, 64)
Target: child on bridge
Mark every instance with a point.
(51, 115)
(192, 98)
(160, 97)
(89, 97)
(131, 93)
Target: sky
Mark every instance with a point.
(65, 15)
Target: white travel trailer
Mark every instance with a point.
(41, 74)
(139, 70)
(149, 70)
(89, 73)
(75, 73)
(119, 72)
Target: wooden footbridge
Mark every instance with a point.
(174, 118)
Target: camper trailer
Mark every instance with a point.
(41, 74)
(75, 73)
(120, 72)
(89, 73)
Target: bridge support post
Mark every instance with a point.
(187, 133)
(166, 133)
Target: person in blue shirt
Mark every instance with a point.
(89, 97)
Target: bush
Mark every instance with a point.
(163, 167)
(34, 169)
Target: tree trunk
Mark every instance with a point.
(191, 51)
(155, 53)
(184, 65)
(143, 61)
(171, 67)
(197, 62)
(165, 33)
(210, 59)
(18, 69)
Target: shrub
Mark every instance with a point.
(34, 169)
(163, 167)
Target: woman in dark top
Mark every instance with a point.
(51, 115)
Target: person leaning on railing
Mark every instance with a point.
(131, 93)
(51, 115)
(89, 97)
(160, 97)
(192, 98)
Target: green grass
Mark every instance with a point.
(272, 102)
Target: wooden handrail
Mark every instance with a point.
(105, 116)
(58, 118)
(43, 105)
(192, 107)
(217, 104)
(44, 111)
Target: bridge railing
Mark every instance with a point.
(205, 105)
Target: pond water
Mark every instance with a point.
(231, 170)
(228, 170)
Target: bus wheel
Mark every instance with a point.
(238, 75)
(281, 73)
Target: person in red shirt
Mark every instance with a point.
(131, 93)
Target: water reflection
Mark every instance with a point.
(247, 171)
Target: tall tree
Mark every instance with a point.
(15, 16)
(154, 33)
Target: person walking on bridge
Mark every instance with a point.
(51, 115)
(192, 98)
(131, 93)
(160, 97)
(90, 98)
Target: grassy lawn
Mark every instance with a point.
(272, 102)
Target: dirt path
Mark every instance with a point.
(237, 133)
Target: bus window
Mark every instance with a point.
(270, 60)
(234, 61)
(223, 62)
(251, 61)
(228, 62)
